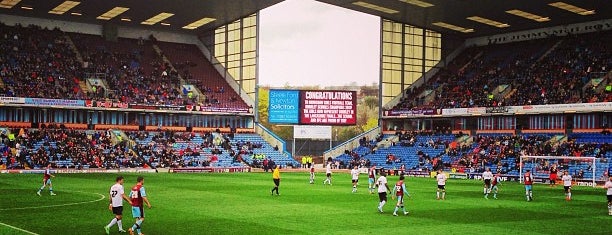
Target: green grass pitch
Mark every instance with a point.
(242, 204)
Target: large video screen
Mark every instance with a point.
(312, 107)
(328, 107)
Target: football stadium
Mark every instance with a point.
(487, 117)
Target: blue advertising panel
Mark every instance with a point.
(284, 107)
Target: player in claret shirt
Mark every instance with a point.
(138, 196)
(312, 173)
(372, 178)
(553, 175)
(528, 179)
(399, 191)
(47, 181)
(494, 185)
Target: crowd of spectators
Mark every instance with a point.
(41, 63)
(38, 63)
(133, 71)
(177, 149)
(492, 150)
(532, 77)
(35, 148)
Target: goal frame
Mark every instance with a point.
(593, 159)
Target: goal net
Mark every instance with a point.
(581, 169)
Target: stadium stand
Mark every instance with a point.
(38, 63)
(197, 70)
(546, 71)
(35, 148)
(79, 149)
(499, 152)
(129, 70)
(132, 70)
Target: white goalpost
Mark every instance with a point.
(581, 159)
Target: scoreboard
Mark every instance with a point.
(313, 107)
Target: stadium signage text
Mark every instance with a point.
(530, 109)
(54, 102)
(328, 107)
(72, 171)
(312, 107)
(496, 109)
(416, 112)
(283, 107)
(210, 170)
(586, 27)
(38, 102)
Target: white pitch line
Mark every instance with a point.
(18, 229)
(66, 204)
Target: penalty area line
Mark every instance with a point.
(65, 204)
(18, 229)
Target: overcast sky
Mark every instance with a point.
(305, 42)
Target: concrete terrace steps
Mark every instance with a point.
(551, 49)
(74, 49)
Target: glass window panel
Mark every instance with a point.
(249, 45)
(233, 47)
(396, 89)
(397, 27)
(397, 38)
(249, 54)
(386, 25)
(219, 38)
(247, 62)
(234, 25)
(396, 50)
(233, 64)
(386, 88)
(396, 76)
(386, 76)
(219, 50)
(387, 47)
(248, 72)
(386, 36)
(221, 59)
(418, 31)
(250, 32)
(235, 72)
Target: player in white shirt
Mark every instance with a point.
(328, 173)
(441, 178)
(487, 176)
(608, 186)
(117, 195)
(567, 185)
(383, 188)
(355, 178)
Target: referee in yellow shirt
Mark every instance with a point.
(276, 178)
